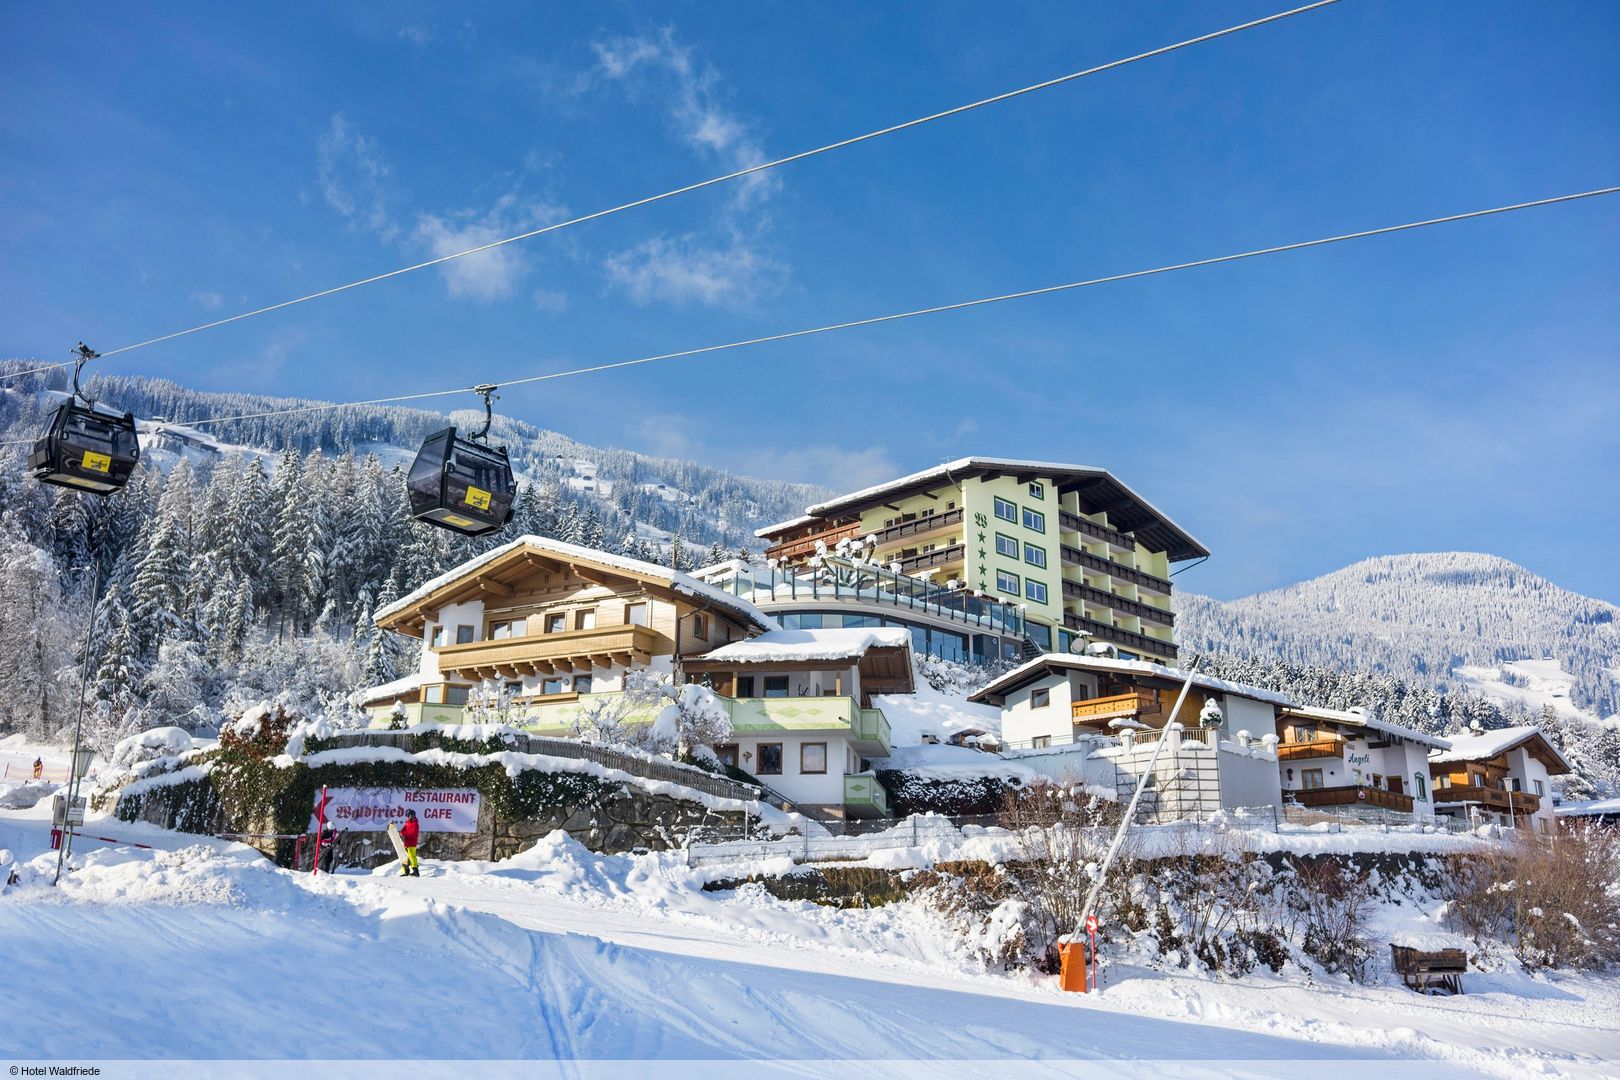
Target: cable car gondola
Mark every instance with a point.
(88, 447)
(463, 484)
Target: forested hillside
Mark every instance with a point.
(1418, 618)
(236, 574)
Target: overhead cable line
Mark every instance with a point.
(918, 312)
(727, 177)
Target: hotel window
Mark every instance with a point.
(1006, 511)
(1006, 582)
(1310, 778)
(585, 619)
(745, 686)
(552, 686)
(700, 626)
(456, 695)
(1040, 699)
(1034, 520)
(1040, 742)
(437, 637)
(557, 623)
(500, 631)
(776, 686)
(582, 684)
(1006, 545)
(813, 757)
(770, 759)
(1035, 556)
(1037, 490)
(1035, 590)
(464, 635)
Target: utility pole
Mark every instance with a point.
(63, 851)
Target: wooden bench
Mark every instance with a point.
(1422, 970)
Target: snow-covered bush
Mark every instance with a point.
(959, 677)
(150, 745)
(1334, 901)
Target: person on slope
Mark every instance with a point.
(328, 845)
(39, 768)
(409, 833)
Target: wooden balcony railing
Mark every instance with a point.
(922, 526)
(1072, 522)
(1352, 795)
(1076, 590)
(944, 556)
(1140, 578)
(546, 654)
(1312, 748)
(1094, 710)
(800, 547)
(1519, 802)
(1128, 638)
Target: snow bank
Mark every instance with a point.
(943, 762)
(158, 742)
(801, 646)
(928, 712)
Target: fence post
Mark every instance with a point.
(806, 847)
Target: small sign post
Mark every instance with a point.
(1094, 980)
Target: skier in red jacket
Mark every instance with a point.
(409, 833)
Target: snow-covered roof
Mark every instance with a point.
(388, 690)
(1359, 718)
(790, 523)
(1141, 516)
(1069, 662)
(719, 569)
(1592, 808)
(680, 582)
(1484, 745)
(800, 646)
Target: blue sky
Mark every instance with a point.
(1455, 388)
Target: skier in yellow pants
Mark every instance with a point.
(409, 833)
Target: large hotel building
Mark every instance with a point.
(980, 557)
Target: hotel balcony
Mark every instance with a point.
(951, 555)
(1069, 521)
(918, 527)
(1351, 795)
(1311, 748)
(1518, 802)
(548, 654)
(1074, 590)
(1129, 638)
(1073, 556)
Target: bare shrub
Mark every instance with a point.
(1207, 891)
(1062, 835)
(1555, 899)
(1334, 902)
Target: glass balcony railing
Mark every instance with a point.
(840, 579)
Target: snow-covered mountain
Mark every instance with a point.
(1448, 621)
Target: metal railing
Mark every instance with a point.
(841, 580)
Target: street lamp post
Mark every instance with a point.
(63, 851)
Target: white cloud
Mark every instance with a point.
(489, 275)
(687, 269)
(551, 300)
(208, 299)
(416, 35)
(837, 467)
(684, 270)
(354, 177)
(665, 435)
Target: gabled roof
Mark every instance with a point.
(1049, 663)
(1484, 745)
(1099, 490)
(511, 559)
(1358, 718)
